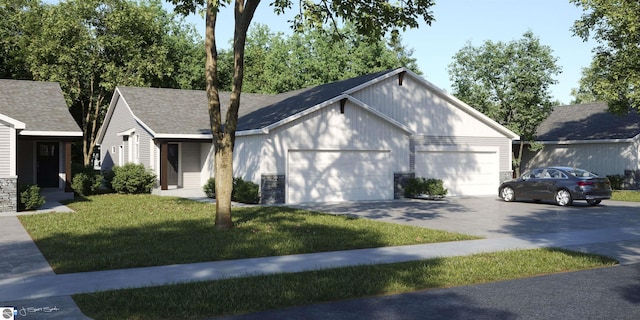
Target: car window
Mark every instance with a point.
(581, 173)
(537, 173)
(556, 174)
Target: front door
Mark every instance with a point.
(48, 164)
(172, 159)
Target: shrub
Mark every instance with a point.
(210, 188)
(30, 198)
(133, 178)
(107, 177)
(243, 191)
(86, 182)
(420, 186)
(616, 181)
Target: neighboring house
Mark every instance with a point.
(588, 136)
(348, 140)
(36, 132)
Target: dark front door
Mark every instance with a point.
(48, 164)
(172, 159)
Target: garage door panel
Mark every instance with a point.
(338, 176)
(462, 172)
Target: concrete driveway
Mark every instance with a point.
(491, 217)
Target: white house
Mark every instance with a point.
(342, 141)
(588, 136)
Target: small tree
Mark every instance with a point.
(508, 82)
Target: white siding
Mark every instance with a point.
(247, 157)
(5, 150)
(328, 129)
(601, 158)
(424, 112)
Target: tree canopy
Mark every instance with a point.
(92, 46)
(509, 82)
(373, 19)
(614, 74)
(275, 63)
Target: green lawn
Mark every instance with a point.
(126, 231)
(216, 298)
(626, 195)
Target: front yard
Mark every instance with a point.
(126, 231)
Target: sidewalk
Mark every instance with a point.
(28, 281)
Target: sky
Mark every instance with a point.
(460, 21)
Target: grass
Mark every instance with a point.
(244, 295)
(626, 195)
(126, 231)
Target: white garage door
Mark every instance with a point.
(463, 172)
(319, 176)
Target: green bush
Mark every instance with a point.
(420, 186)
(616, 181)
(210, 188)
(132, 178)
(243, 191)
(86, 181)
(30, 198)
(107, 178)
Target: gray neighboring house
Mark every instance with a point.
(589, 137)
(36, 133)
(348, 140)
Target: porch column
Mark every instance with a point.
(67, 167)
(164, 163)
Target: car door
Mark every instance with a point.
(529, 187)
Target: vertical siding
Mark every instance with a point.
(190, 164)
(5, 150)
(423, 111)
(328, 129)
(247, 157)
(601, 158)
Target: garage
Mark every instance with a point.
(464, 171)
(338, 175)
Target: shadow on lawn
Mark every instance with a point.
(139, 239)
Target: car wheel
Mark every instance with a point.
(507, 194)
(563, 197)
(594, 202)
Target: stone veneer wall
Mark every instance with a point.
(8, 194)
(272, 189)
(399, 181)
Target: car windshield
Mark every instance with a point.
(581, 173)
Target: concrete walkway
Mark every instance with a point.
(28, 283)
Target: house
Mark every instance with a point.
(588, 136)
(348, 140)
(36, 133)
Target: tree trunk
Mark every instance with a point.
(224, 182)
(519, 160)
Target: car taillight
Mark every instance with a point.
(585, 183)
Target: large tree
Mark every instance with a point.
(371, 18)
(614, 24)
(509, 82)
(19, 23)
(91, 46)
(276, 63)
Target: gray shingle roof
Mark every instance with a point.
(587, 122)
(39, 105)
(174, 111)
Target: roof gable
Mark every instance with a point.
(39, 105)
(590, 121)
